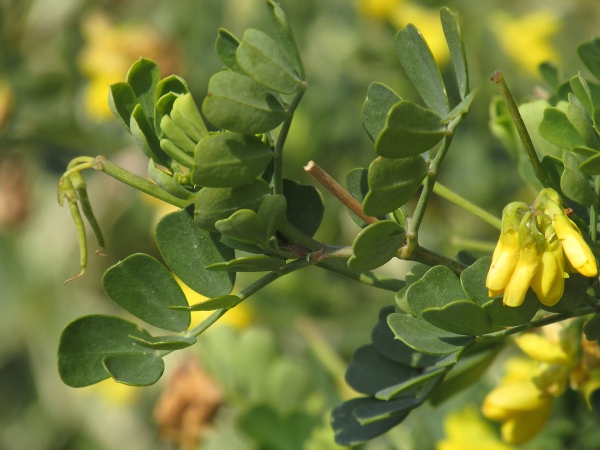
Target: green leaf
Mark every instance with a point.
(582, 123)
(167, 91)
(168, 183)
(176, 135)
(122, 101)
(549, 73)
(574, 184)
(376, 245)
(165, 342)
(213, 204)
(86, 341)
(178, 154)
(229, 159)
(397, 351)
(420, 68)
(349, 431)
(226, 46)
(424, 337)
(243, 225)
(589, 52)
(462, 108)
(392, 182)
(374, 412)
(469, 369)
(379, 101)
(358, 186)
(507, 316)
(236, 102)
(305, 207)
(187, 250)
(557, 129)
(224, 301)
(581, 90)
(369, 372)
(591, 166)
(263, 60)
(409, 131)
(286, 37)
(186, 115)
(592, 328)
(473, 279)
(429, 375)
(271, 212)
(143, 77)
(142, 286)
(438, 287)
(249, 264)
(141, 369)
(146, 138)
(239, 245)
(457, 49)
(460, 317)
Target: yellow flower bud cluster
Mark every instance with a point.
(535, 246)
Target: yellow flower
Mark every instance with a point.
(506, 254)
(401, 12)
(377, 9)
(109, 52)
(465, 430)
(541, 349)
(548, 283)
(576, 249)
(529, 261)
(427, 20)
(527, 39)
(521, 407)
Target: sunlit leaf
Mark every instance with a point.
(142, 286)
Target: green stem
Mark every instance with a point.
(473, 244)
(139, 183)
(248, 291)
(513, 109)
(369, 278)
(465, 204)
(434, 165)
(278, 153)
(427, 257)
(536, 324)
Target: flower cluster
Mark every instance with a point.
(538, 245)
(557, 358)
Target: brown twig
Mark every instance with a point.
(337, 190)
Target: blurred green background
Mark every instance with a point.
(57, 58)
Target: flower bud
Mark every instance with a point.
(576, 249)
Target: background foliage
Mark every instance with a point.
(57, 58)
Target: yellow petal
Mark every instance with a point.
(504, 261)
(526, 424)
(576, 249)
(509, 398)
(540, 349)
(519, 282)
(548, 282)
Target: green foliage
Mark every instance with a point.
(143, 287)
(444, 330)
(188, 249)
